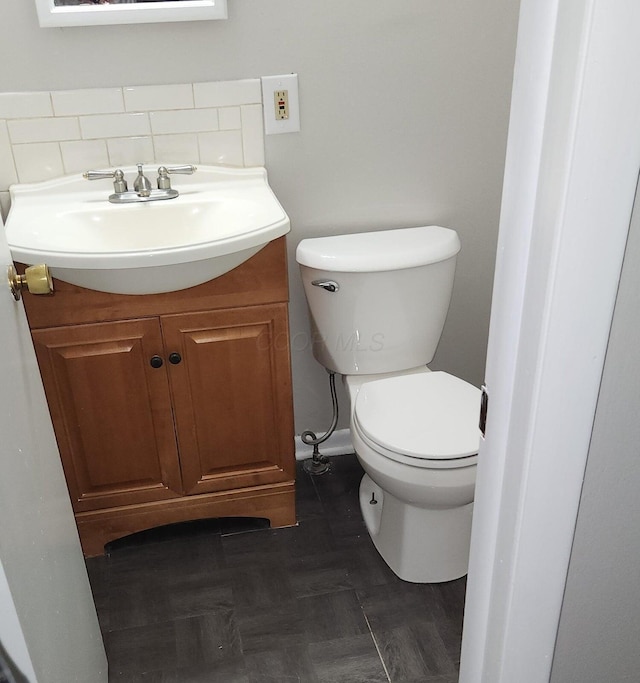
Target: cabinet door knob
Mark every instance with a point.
(175, 358)
(156, 362)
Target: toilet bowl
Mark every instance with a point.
(414, 436)
(378, 303)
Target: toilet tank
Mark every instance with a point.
(392, 294)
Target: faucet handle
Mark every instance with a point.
(186, 169)
(163, 174)
(119, 183)
(98, 175)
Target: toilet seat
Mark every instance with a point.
(424, 419)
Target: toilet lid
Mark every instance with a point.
(430, 416)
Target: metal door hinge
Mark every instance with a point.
(484, 406)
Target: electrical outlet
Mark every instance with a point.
(280, 104)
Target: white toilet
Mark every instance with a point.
(378, 302)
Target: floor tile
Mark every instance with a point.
(237, 602)
(366, 567)
(255, 548)
(332, 615)
(229, 671)
(136, 604)
(450, 596)
(308, 503)
(141, 649)
(271, 628)
(190, 596)
(282, 665)
(398, 604)
(311, 538)
(238, 525)
(347, 660)
(413, 653)
(319, 574)
(207, 639)
(339, 489)
(259, 586)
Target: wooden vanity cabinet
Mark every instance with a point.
(171, 407)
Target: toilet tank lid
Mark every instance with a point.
(366, 252)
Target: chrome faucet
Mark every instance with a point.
(141, 184)
(142, 190)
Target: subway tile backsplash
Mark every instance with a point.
(223, 93)
(184, 121)
(43, 130)
(90, 101)
(47, 134)
(25, 105)
(150, 97)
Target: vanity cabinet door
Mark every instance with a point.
(231, 390)
(111, 411)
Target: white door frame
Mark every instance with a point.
(572, 165)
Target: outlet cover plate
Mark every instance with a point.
(270, 85)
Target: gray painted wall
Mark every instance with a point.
(599, 626)
(404, 111)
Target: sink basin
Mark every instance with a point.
(222, 217)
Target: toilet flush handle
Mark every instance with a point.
(329, 285)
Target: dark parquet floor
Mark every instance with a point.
(233, 601)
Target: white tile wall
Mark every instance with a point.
(25, 105)
(252, 134)
(130, 151)
(43, 130)
(8, 173)
(229, 118)
(150, 97)
(48, 134)
(91, 101)
(222, 146)
(114, 125)
(176, 147)
(38, 161)
(224, 93)
(79, 155)
(184, 121)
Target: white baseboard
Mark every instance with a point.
(339, 443)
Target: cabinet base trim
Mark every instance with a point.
(273, 502)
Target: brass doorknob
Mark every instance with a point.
(37, 279)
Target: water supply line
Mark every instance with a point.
(319, 464)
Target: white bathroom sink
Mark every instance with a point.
(222, 217)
